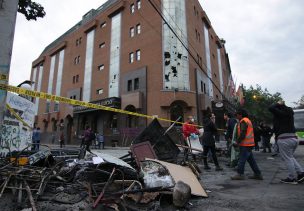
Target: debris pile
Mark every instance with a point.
(141, 180)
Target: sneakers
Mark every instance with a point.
(256, 176)
(238, 177)
(301, 178)
(289, 181)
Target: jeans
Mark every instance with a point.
(287, 148)
(246, 155)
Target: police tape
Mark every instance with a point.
(3, 77)
(65, 100)
(17, 116)
(55, 98)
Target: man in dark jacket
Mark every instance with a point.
(284, 130)
(230, 123)
(208, 141)
(266, 133)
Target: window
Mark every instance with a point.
(101, 67)
(47, 109)
(138, 55)
(136, 83)
(77, 78)
(77, 60)
(103, 24)
(132, 32)
(138, 29)
(56, 107)
(99, 91)
(138, 4)
(202, 86)
(132, 8)
(78, 41)
(102, 45)
(129, 85)
(131, 57)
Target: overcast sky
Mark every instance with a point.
(264, 39)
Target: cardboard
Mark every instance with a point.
(184, 174)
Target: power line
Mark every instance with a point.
(187, 49)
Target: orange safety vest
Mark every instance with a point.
(248, 141)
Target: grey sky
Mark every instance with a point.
(263, 39)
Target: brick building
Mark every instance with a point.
(164, 60)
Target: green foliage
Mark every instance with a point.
(257, 102)
(30, 9)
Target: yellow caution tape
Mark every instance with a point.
(50, 97)
(3, 77)
(17, 116)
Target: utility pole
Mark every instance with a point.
(8, 14)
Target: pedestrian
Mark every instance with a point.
(36, 137)
(266, 133)
(189, 131)
(257, 136)
(100, 140)
(235, 152)
(208, 141)
(284, 130)
(89, 136)
(61, 139)
(245, 142)
(230, 123)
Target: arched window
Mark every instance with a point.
(177, 110)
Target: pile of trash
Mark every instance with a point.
(140, 180)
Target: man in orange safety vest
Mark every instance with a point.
(245, 143)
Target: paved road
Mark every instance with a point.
(268, 194)
(227, 195)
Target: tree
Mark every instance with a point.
(257, 102)
(300, 103)
(31, 9)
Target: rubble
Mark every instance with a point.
(67, 181)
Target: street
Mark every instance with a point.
(226, 194)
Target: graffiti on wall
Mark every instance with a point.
(14, 135)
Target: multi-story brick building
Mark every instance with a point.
(159, 58)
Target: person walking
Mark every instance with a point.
(230, 123)
(189, 130)
(61, 139)
(245, 142)
(266, 134)
(284, 130)
(208, 141)
(257, 136)
(36, 138)
(88, 138)
(100, 140)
